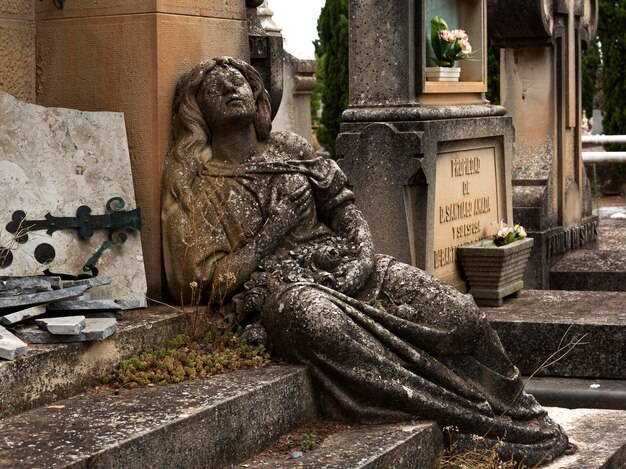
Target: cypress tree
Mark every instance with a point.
(591, 60)
(332, 69)
(612, 33)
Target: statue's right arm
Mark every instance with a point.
(236, 268)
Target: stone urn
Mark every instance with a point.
(443, 73)
(494, 272)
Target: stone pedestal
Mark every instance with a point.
(429, 162)
(17, 48)
(541, 88)
(126, 56)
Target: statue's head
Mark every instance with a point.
(216, 92)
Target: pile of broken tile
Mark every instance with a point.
(46, 309)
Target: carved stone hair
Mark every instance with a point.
(191, 133)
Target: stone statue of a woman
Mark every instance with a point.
(257, 222)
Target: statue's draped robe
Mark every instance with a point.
(405, 346)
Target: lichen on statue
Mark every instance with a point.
(266, 228)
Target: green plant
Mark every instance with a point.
(448, 46)
(308, 441)
(185, 359)
(493, 75)
(611, 27)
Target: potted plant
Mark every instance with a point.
(495, 267)
(449, 47)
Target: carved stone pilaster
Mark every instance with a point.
(266, 55)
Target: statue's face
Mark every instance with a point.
(225, 96)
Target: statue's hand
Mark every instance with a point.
(352, 275)
(287, 211)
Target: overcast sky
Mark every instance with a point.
(298, 20)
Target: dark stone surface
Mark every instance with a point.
(205, 423)
(52, 372)
(540, 320)
(397, 446)
(590, 270)
(552, 244)
(575, 393)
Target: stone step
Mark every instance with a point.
(600, 437)
(49, 372)
(398, 446)
(576, 393)
(204, 423)
(537, 324)
(590, 269)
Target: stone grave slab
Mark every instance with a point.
(588, 328)
(599, 434)
(68, 325)
(95, 329)
(10, 346)
(55, 160)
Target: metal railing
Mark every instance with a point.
(604, 157)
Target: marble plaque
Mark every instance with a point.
(55, 160)
(469, 198)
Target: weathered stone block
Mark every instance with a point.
(24, 9)
(206, 423)
(17, 58)
(398, 446)
(598, 435)
(227, 9)
(587, 328)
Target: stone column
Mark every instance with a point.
(541, 45)
(17, 48)
(125, 55)
(429, 162)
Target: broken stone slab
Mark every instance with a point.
(84, 305)
(115, 314)
(22, 315)
(13, 303)
(90, 282)
(10, 346)
(14, 286)
(54, 160)
(95, 329)
(130, 304)
(68, 325)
